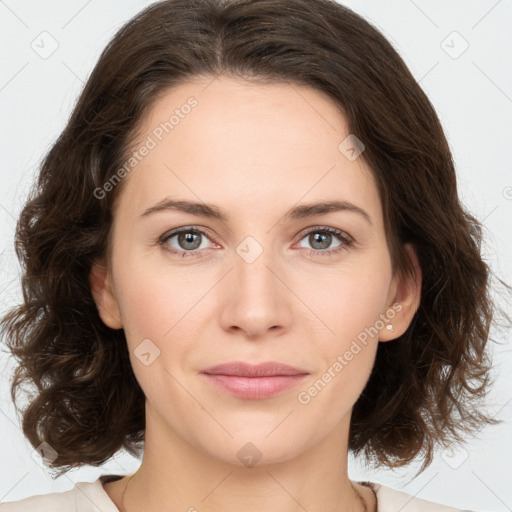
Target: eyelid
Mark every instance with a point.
(330, 229)
(192, 228)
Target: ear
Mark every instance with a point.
(103, 293)
(403, 300)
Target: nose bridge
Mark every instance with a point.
(255, 300)
(253, 262)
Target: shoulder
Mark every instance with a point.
(57, 501)
(391, 500)
(83, 497)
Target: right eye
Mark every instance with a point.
(188, 241)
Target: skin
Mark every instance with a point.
(255, 150)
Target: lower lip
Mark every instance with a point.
(255, 388)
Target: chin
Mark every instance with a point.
(256, 448)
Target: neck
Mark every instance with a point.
(175, 475)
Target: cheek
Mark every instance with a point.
(168, 307)
(346, 301)
(349, 306)
(160, 317)
(155, 299)
(346, 358)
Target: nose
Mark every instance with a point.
(255, 297)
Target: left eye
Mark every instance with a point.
(323, 237)
(189, 241)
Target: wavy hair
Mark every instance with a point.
(426, 387)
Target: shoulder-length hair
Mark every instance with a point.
(425, 387)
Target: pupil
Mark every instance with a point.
(323, 238)
(188, 238)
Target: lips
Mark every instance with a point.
(252, 382)
(242, 369)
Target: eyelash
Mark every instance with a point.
(341, 235)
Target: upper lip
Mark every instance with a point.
(243, 369)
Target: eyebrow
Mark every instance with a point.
(215, 212)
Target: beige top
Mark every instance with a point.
(92, 497)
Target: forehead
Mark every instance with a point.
(246, 146)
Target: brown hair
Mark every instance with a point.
(425, 386)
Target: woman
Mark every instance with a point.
(171, 306)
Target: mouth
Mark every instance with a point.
(254, 382)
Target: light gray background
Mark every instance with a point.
(472, 93)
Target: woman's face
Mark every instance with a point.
(259, 285)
